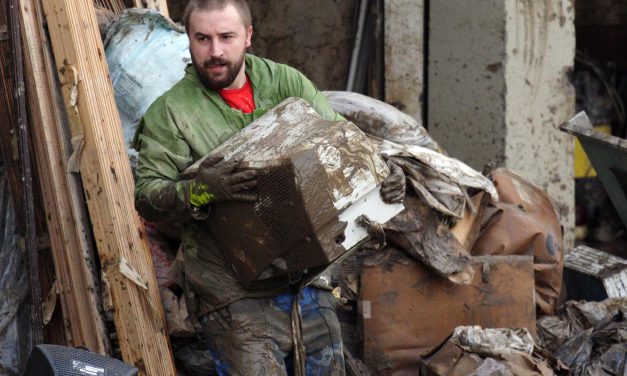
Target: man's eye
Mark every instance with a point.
(227, 37)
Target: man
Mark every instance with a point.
(249, 330)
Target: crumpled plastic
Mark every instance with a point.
(14, 287)
(147, 54)
(488, 352)
(380, 119)
(440, 180)
(493, 342)
(588, 337)
(574, 318)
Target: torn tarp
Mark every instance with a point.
(440, 180)
(13, 288)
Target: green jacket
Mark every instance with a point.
(185, 124)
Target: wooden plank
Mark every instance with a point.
(160, 5)
(73, 253)
(108, 184)
(116, 6)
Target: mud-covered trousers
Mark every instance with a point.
(253, 336)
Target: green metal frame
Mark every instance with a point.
(608, 155)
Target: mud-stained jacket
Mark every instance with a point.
(185, 124)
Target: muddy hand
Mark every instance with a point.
(393, 187)
(218, 180)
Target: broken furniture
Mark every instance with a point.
(407, 310)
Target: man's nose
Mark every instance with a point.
(216, 49)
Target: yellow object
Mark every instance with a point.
(583, 168)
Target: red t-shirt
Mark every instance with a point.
(240, 99)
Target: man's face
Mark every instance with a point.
(218, 40)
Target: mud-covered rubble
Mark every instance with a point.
(496, 235)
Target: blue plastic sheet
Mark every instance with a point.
(147, 54)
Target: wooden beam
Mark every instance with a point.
(73, 253)
(108, 185)
(116, 6)
(160, 5)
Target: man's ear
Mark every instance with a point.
(249, 35)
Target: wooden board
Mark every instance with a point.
(108, 185)
(116, 6)
(407, 309)
(73, 253)
(160, 5)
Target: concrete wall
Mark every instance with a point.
(313, 36)
(539, 97)
(404, 55)
(498, 89)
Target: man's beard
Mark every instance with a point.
(232, 69)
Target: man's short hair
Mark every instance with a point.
(209, 5)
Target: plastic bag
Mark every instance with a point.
(14, 287)
(380, 119)
(147, 54)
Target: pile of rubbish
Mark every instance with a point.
(467, 276)
(470, 251)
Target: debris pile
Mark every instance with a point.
(466, 280)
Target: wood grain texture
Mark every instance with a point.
(73, 252)
(108, 184)
(160, 5)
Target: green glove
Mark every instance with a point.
(218, 180)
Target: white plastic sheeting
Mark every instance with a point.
(380, 119)
(147, 54)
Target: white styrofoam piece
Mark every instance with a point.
(374, 208)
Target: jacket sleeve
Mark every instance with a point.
(293, 83)
(163, 154)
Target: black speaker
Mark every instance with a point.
(52, 360)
